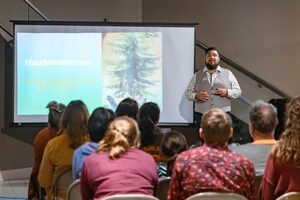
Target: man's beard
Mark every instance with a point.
(211, 67)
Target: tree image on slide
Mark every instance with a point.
(133, 65)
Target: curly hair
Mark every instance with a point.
(288, 147)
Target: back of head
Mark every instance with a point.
(98, 123)
(122, 134)
(263, 117)
(288, 147)
(127, 107)
(74, 122)
(216, 126)
(55, 112)
(173, 143)
(148, 116)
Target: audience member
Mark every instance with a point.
(263, 120)
(282, 172)
(59, 151)
(118, 166)
(40, 141)
(280, 105)
(172, 144)
(151, 135)
(97, 126)
(212, 167)
(127, 107)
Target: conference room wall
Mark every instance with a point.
(260, 35)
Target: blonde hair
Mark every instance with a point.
(288, 147)
(123, 133)
(216, 126)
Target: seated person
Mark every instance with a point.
(151, 135)
(282, 172)
(59, 151)
(40, 141)
(97, 126)
(263, 120)
(127, 107)
(118, 166)
(172, 144)
(280, 105)
(212, 167)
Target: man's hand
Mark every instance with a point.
(221, 92)
(201, 96)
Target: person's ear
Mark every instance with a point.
(231, 133)
(201, 133)
(251, 129)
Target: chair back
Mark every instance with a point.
(73, 192)
(290, 196)
(130, 197)
(216, 196)
(258, 180)
(163, 187)
(62, 182)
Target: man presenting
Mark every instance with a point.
(212, 87)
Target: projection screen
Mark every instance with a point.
(101, 64)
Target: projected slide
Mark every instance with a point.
(132, 67)
(101, 64)
(60, 67)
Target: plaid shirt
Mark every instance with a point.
(211, 168)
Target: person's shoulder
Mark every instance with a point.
(222, 69)
(241, 158)
(60, 139)
(188, 153)
(241, 146)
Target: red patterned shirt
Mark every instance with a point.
(211, 168)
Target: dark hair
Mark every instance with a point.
(263, 116)
(210, 49)
(280, 105)
(172, 144)
(127, 107)
(98, 123)
(148, 116)
(74, 122)
(55, 112)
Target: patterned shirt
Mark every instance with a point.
(211, 168)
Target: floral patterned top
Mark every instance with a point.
(211, 168)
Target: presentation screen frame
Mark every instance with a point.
(23, 31)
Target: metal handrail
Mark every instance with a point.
(36, 10)
(6, 31)
(239, 68)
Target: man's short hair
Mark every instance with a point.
(216, 126)
(263, 116)
(210, 49)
